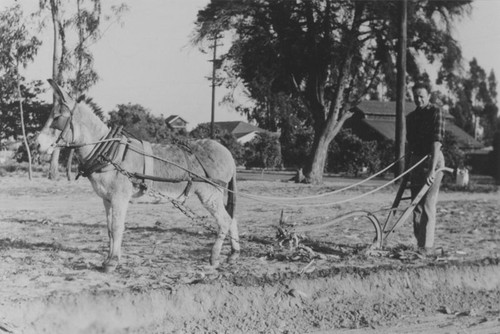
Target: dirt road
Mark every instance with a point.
(53, 240)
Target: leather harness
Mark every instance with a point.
(111, 152)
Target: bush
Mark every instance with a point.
(453, 155)
(264, 151)
(225, 138)
(349, 154)
(296, 143)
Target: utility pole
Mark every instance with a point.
(401, 89)
(214, 82)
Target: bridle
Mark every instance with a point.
(67, 126)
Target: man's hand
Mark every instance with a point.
(431, 177)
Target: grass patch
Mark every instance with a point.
(472, 187)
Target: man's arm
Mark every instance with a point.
(436, 148)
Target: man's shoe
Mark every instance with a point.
(430, 251)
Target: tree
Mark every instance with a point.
(350, 154)
(263, 151)
(74, 65)
(35, 111)
(203, 130)
(474, 100)
(139, 122)
(327, 54)
(17, 47)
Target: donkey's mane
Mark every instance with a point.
(96, 109)
(92, 113)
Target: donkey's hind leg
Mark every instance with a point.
(235, 240)
(214, 203)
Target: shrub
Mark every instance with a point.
(263, 151)
(349, 154)
(225, 138)
(296, 143)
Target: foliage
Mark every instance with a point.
(35, 111)
(139, 122)
(77, 28)
(264, 151)
(349, 154)
(227, 139)
(324, 55)
(453, 155)
(475, 97)
(17, 47)
(74, 64)
(296, 142)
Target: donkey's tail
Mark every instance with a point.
(231, 196)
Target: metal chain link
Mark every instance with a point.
(176, 203)
(195, 219)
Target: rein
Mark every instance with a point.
(105, 153)
(222, 185)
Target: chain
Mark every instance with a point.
(196, 219)
(179, 205)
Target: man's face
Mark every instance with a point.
(421, 97)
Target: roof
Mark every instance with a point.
(380, 116)
(384, 127)
(387, 129)
(465, 139)
(383, 108)
(238, 128)
(386, 108)
(172, 118)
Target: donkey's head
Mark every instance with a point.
(57, 126)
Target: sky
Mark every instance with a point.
(149, 59)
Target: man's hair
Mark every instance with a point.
(421, 85)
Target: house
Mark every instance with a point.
(176, 122)
(376, 120)
(244, 132)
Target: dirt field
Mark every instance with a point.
(53, 240)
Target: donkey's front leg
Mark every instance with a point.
(116, 210)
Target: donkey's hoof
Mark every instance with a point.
(214, 262)
(109, 267)
(233, 257)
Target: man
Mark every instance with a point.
(425, 134)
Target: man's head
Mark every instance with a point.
(421, 95)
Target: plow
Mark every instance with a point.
(383, 227)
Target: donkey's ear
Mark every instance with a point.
(61, 94)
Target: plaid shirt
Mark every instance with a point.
(424, 126)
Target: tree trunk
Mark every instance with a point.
(54, 161)
(24, 129)
(318, 160)
(338, 112)
(337, 116)
(320, 149)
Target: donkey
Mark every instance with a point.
(203, 167)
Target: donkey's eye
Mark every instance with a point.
(59, 122)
